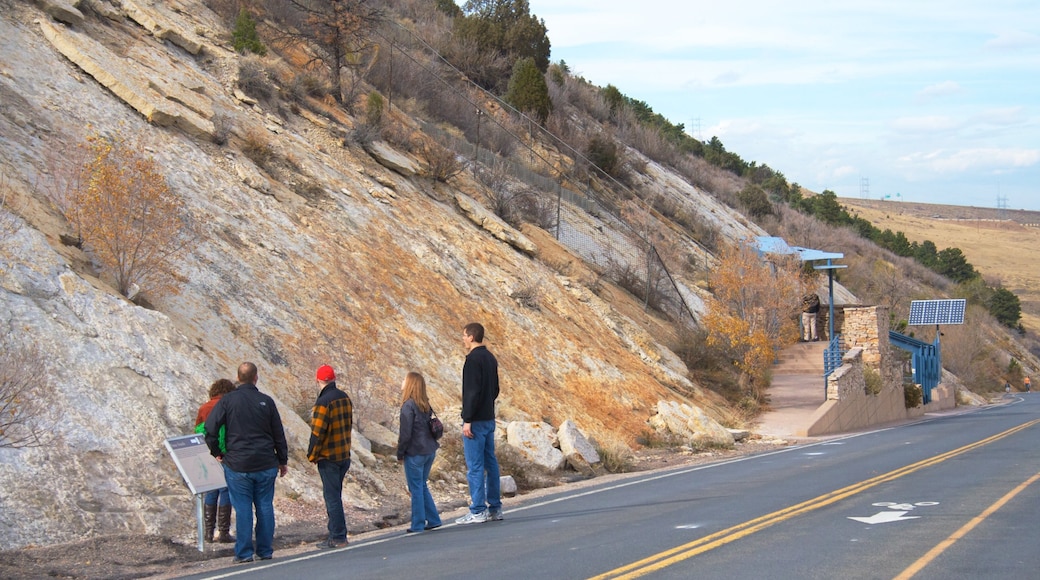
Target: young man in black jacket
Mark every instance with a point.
(479, 391)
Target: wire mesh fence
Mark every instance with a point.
(557, 199)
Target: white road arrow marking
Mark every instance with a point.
(884, 518)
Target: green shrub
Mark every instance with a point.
(245, 37)
(913, 395)
(603, 153)
(873, 381)
(374, 109)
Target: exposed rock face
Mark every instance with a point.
(484, 218)
(163, 102)
(62, 11)
(368, 270)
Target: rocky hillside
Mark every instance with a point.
(331, 254)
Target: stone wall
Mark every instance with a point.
(849, 406)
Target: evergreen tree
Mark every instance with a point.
(245, 37)
(1005, 307)
(952, 264)
(528, 91)
(505, 28)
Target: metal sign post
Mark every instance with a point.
(200, 471)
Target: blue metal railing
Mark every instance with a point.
(832, 359)
(925, 361)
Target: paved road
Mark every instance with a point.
(950, 497)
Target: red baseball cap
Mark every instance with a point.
(325, 373)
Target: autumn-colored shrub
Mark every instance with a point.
(750, 314)
(444, 163)
(127, 217)
(257, 147)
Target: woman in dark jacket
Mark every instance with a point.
(417, 448)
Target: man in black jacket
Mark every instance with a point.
(479, 391)
(256, 455)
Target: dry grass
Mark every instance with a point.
(1000, 250)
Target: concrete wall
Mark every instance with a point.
(848, 406)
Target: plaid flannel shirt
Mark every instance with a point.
(331, 421)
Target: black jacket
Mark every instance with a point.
(255, 438)
(479, 385)
(415, 437)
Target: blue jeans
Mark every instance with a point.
(218, 497)
(416, 473)
(482, 466)
(249, 490)
(332, 474)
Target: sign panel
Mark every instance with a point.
(199, 469)
(937, 312)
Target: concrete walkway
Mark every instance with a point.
(796, 391)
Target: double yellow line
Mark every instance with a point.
(678, 554)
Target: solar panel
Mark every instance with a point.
(937, 312)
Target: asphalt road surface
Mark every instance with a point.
(948, 497)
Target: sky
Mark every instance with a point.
(924, 101)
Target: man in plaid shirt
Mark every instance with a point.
(329, 448)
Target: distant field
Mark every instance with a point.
(1003, 245)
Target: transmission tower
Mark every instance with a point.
(1002, 208)
(864, 187)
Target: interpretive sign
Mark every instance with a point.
(199, 469)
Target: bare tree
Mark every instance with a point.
(22, 407)
(335, 33)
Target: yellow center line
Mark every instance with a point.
(963, 531)
(679, 553)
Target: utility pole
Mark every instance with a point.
(1002, 209)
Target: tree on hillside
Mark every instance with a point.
(750, 314)
(1005, 307)
(244, 37)
(127, 217)
(22, 397)
(755, 201)
(504, 28)
(528, 91)
(952, 264)
(336, 33)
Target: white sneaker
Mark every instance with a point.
(472, 518)
(495, 515)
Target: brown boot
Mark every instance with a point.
(209, 522)
(224, 525)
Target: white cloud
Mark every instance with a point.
(965, 160)
(935, 91)
(928, 124)
(1004, 116)
(1013, 40)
